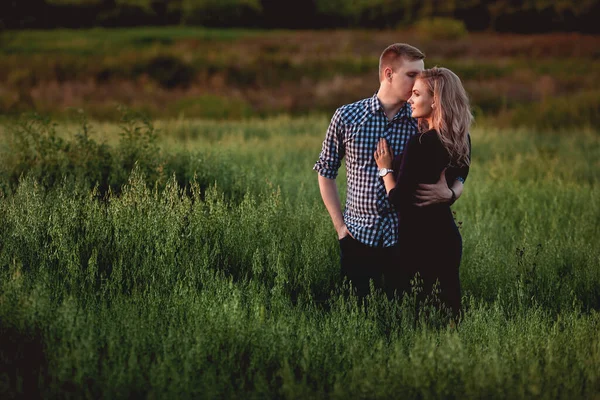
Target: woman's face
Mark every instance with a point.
(420, 100)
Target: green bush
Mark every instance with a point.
(219, 12)
(212, 107)
(441, 28)
(37, 150)
(561, 112)
(168, 71)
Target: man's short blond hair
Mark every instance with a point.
(397, 51)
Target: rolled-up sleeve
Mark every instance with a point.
(463, 172)
(333, 150)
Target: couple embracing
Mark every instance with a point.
(407, 155)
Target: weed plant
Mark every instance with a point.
(202, 263)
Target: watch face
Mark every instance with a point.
(383, 172)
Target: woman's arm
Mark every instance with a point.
(384, 157)
(399, 189)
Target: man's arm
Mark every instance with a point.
(327, 166)
(440, 192)
(437, 193)
(331, 198)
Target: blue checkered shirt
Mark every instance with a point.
(353, 133)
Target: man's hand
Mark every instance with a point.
(428, 194)
(343, 232)
(330, 196)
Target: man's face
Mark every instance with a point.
(403, 79)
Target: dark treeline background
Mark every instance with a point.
(519, 16)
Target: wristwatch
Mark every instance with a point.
(384, 171)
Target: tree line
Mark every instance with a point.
(520, 16)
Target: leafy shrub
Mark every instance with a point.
(441, 28)
(168, 71)
(212, 107)
(37, 150)
(580, 109)
(137, 146)
(220, 12)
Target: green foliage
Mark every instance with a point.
(169, 71)
(380, 13)
(441, 28)
(561, 112)
(85, 42)
(210, 73)
(330, 14)
(36, 150)
(219, 12)
(345, 9)
(143, 4)
(207, 4)
(212, 107)
(218, 276)
(74, 2)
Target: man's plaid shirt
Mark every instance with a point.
(353, 133)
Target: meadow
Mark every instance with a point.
(189, 258)
(542, 81)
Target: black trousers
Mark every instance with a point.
(361, 263)
(434, 250)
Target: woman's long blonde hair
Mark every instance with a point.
(451, 114)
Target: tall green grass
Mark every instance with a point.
(211, 270)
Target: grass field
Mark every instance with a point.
(540, 81)
(212, 269)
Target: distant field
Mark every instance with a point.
(545, 81)
(212, 270)
(102, 41)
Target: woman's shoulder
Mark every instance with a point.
(431, 133)
(429, 138)
(431, 143)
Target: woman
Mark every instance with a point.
(429, 241)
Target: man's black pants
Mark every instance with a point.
(361, 263)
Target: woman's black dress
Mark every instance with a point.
(429, 241)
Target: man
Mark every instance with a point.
(368, 228)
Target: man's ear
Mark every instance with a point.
(386, 74)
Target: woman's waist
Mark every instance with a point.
(434, 211)
(427, 217)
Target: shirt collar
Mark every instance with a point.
(376, 106)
